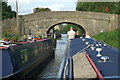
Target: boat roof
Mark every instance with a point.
(8, 44)
(107, 69)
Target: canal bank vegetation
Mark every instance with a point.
(103, 7)
(111, 38)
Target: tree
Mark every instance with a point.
(7, 10)
(112, 7)
(41, 9)
(3, 0)
(66, 28)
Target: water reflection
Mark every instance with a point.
(51, 70)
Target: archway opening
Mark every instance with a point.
(63, 27)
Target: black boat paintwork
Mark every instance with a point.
(19, 60)
(109, 69)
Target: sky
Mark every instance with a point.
(27, 6)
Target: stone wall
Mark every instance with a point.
(9, 26)
(39, 23)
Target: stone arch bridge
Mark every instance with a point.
(91, 22)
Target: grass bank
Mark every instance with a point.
(110, 38)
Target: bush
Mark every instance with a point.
(110, 38)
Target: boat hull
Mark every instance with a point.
(26, 57)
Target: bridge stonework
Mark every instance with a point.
(92, 22)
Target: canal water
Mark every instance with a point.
(52, 68)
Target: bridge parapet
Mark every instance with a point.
(67, 14)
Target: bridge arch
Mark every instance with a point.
(79, 26)
(91, 22)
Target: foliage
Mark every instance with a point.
(10, 37)
(16, 37)
(41, 9)
(110, 38)
(57, 32)
(113, 7)
(75, 27)
(39, 36)
(7, 11)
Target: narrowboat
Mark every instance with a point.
(18, 59)
(90, 59)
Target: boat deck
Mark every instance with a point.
(82, 68)
(104, 70)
